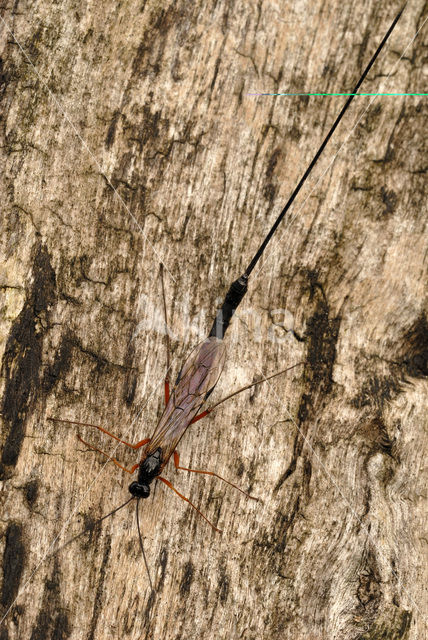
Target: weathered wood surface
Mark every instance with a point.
(152, 97)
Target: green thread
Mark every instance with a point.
(337, 94)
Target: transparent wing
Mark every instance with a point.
(195, 381)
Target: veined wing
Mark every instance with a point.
(195, 381)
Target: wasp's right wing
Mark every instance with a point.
(195, 382)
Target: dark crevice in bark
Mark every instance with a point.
(97, 608)
(52, 620)
(321, 338)
(22, 359)
(13, 564)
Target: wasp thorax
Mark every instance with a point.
(147, 472)
(150, 467)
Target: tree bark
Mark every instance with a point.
(129, 137)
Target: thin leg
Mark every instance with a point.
(168, 484)
(168, 347)
(208, 411)
(235, 393)
(200, 416)
(131, 470)
(208, 473)
(86, 424)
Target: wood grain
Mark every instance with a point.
(128, 137)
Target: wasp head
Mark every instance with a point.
(139, 490)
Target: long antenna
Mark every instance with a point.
(239, 288)
(142, 546)
(89, 528)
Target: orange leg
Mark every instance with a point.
(201, 415)
(167, 390)
(131, 470)
(253, 384)
(208, 473)
(168, 484)
(87, 424)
